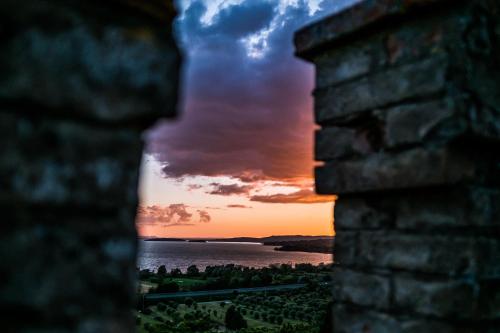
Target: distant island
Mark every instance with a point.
(301, 243)
(314, 245)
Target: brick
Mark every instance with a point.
(357, 213)
(93, 251)
(355, 320)
(336, 142)
(443, 299)
(339, 65)
(361, 288)
(448, 208)
(421, 79)
(384, 171)
(489, 299)
(66, 163)
(416, 123)
(315, 36)
(429, 325)
(436, 254)
(76, 72)
(346, 247)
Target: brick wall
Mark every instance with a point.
(79, 82)
(408, 99)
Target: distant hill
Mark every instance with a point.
(288, 238)
(163, 239)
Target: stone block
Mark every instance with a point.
(438, 298)
(354, 320)
(436, 254)
(358, 213)
(341, 142)
(430, 121)
(429, 325)
(64, 266)
(489, 299)
(417, 80)
(454, 207)
(342, 64)
(336, 27)
(361, 288)
(110, 68)
(346, 248)
(61, 162)
(413, 168)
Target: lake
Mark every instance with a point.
(183, 254)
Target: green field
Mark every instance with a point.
(249, 309)
(263, 313)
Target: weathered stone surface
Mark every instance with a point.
(339, 65)
(313, 37)
(80, 81)
(357, 213)
(424, 326)
(67, 266)
(438, 254)
(448, 208)
(414, 168)
(407, 95)
(414, 124)
(352, 286)
(349, 320)
(489, 299)
(443, 298)
(336, 142)
(109, 69)
(68, 163)
(423, 79)
(346, 248)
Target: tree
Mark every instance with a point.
(193, 271)
(234, 320)
(167, 287)
(189, 301)
(175, 272)
(161, 307)
(162, 270)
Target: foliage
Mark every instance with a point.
(234, 320)
(162, 270)
(167, 287)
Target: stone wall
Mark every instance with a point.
(79, 82)
(408, 99)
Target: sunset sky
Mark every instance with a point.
(239, 161)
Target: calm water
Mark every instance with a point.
(183, 254)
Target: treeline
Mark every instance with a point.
(234, 276)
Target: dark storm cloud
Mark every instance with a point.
(231, 189)
(169, 216)
(249, 118)
(242, 20)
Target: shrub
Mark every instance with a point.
(162, 270)
(161, 307)
(234, 320)
(193, 271)
(167, 287)
(189, 302)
